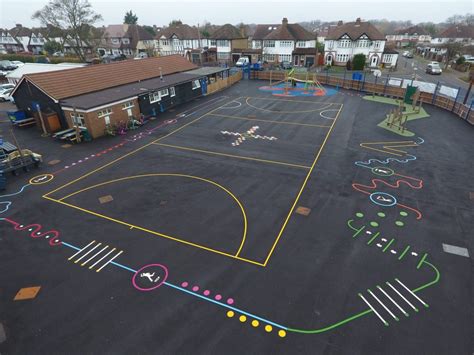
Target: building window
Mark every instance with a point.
(223, 56)
(377, 44)
(34, 40)
(115, 41)
(286, 43)
(285, 58)
(78, 120)
(345, 43)
(196, 84)
(164, 92)
(104, 112)
(222, 43)
(342, 57)
(125, 41)
(154, 97)
(213, 42)
(172, 91)
(127, 105)
(257, 44)
(301, 44)
(269, 57)
(269, 44)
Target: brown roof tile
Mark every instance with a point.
(226, 31)
(72, 82)
(181, 31)
(412, 30)
(283, 31)
(354, 30)
(458, 31)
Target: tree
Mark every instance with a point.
(149, 29)
(52, 47)
(175, 23)
(75, 17)
(358, 62)
(130, 18)
(452, 48)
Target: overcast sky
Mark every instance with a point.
(156, 12)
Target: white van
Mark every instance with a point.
(243, 61)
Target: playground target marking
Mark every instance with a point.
(150, 277)
(41, 179)
(383, 199)
(382, 171)
(232, 107)
(327, 117)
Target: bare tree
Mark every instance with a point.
(452, 48)
(75, 17)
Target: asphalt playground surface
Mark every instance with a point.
(244, 223)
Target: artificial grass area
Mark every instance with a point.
(412, 115)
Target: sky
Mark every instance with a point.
(157, 12)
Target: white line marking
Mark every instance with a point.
(393, 288)
(418, 298)
(109, 261)
(90, 251)
(80, 251)
(391, 299)
(102, 258)
(373, 309)
(384, 306)
(92, 257)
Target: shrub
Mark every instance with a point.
(461, 60)
(358, 62)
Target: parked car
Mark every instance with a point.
(6, 95)
(141, 55)
(243, 61)
(6, 65)
(18, 63)
(58, 54)
(469, 59)
(286, 65)
(4, 87)
(433, 68)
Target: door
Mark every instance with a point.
(374, 61)
(309, 62)
(297, 58)
(329, 59)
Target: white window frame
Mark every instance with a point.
(269, 44)
(104, 112)
(301, 44)
(196, 84)
(286, 44)
(125, 41)
(115, 40)
(127, 105)
(213, 43)
(78, 120)
(164, 92)
(154, 96)
(172, 91)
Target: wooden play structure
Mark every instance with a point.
(398, 117)
(289, 85)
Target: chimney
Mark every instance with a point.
(340, 23)
(242, 30)
(358, 20)
(18, 25)
(284, 22)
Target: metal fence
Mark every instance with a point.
(442, 96)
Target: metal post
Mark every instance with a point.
(363, 81)
(456, 99)
(327, 74)
(469, 111)
(468, 91)
(43, 127)
(434, 94)
(386, 83)
(344, 79)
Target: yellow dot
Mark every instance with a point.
(268, 328)
(282, 333)
(255, 323)
(242, 318)
(230, 314)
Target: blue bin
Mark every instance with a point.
(16, 115)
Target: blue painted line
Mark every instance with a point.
(16, 193)
(225, 305)
(368, 163)
(195, 294)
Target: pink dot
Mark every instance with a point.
(184, 284)
(218, 297)
(230, 301)
(195, 288)
(207, 293)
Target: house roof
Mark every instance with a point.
(354, 30)
(122, 92)
(31, 68)
(226, 31)
(74, 82)
(283, 31)
(411, 31)
(137, 33)
(20, 31)
(458, 31)
(181, 31)
(115, 30)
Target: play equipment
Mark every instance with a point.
(292, 85)
(399, 116)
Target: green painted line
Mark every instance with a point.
(431, 283)
(335, 325)
(422, 260)
(388, 245)
(373, 238)
(404, 252)
(358, 232)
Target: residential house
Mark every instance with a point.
(285, 43)
(32, 40)
(346, 40)
(141, 41)
(409, 36)
(115, 41)
(228, 41)
(456, 33)
(8, 43)
(97, 96)
(179, 39)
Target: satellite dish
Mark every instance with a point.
(377, 73)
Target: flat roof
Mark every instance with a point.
(122, 92)
(207, 70)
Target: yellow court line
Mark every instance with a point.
(132, 152)
(270, 121)
(153, 232)
(233, 156)
(274, 111)
(242, 209)
(301, 190)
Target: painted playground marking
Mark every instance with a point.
(150, 277)
(327, 117)
(41, 179)
(247, 101)
(392, 148)
(98, 255)
(249, 134)
(452, 249)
